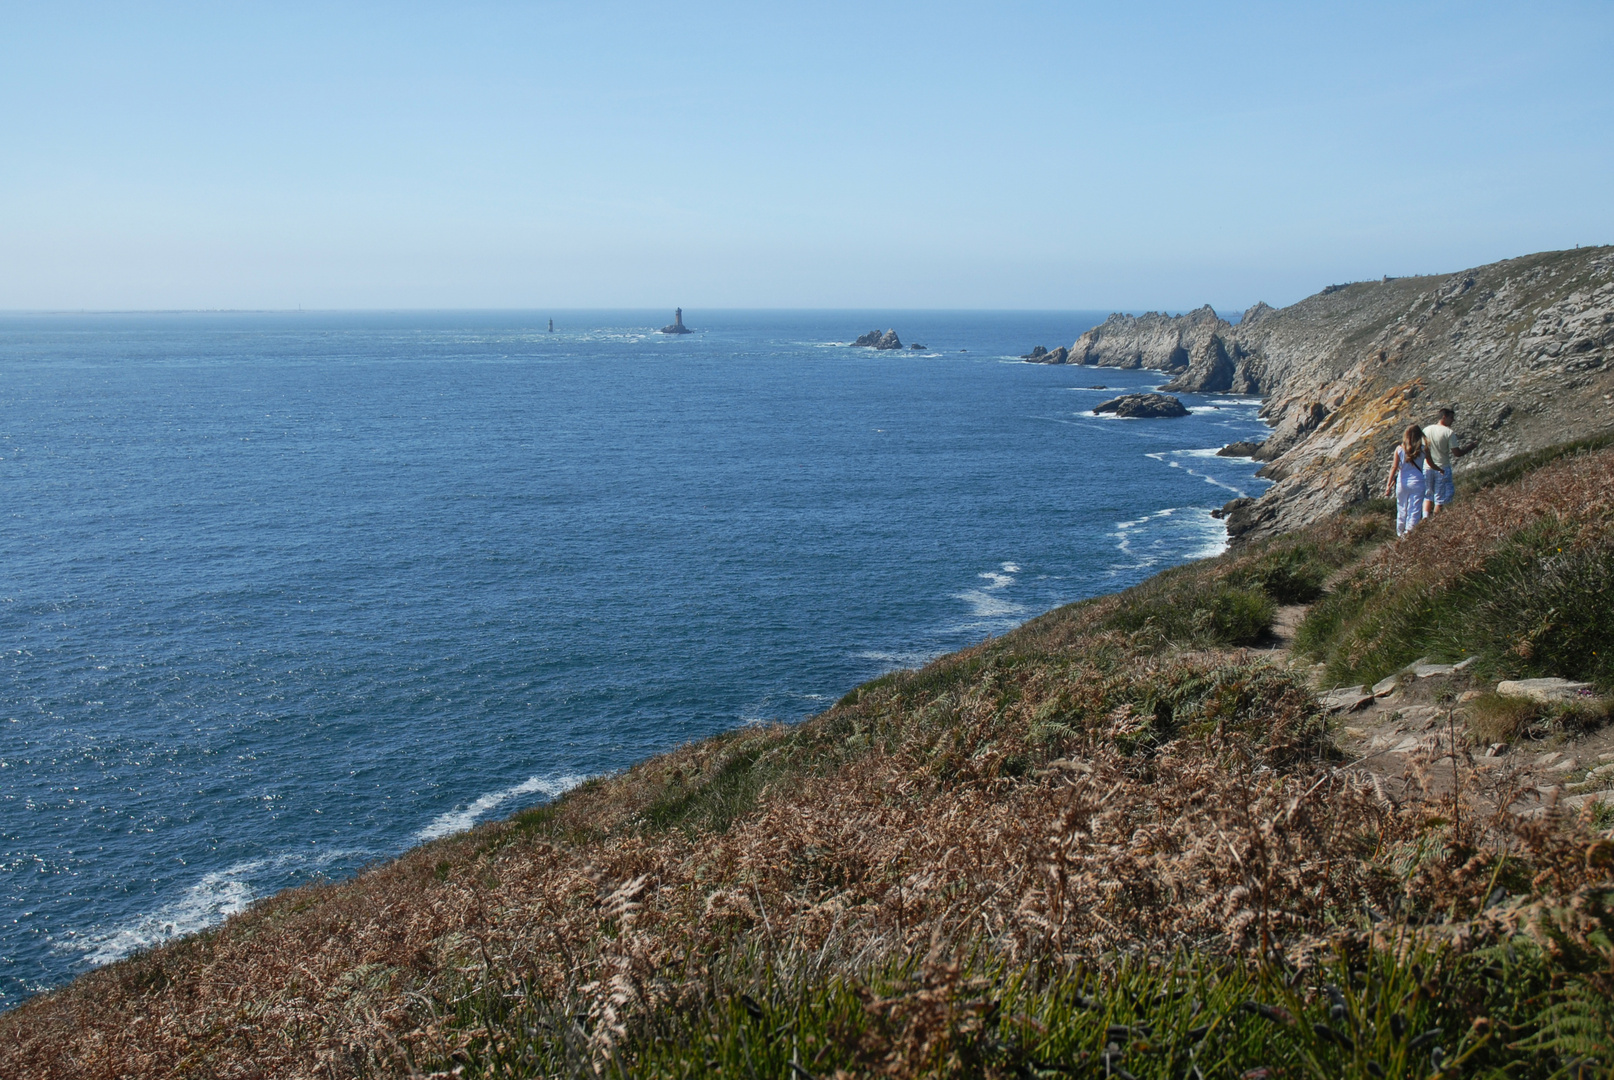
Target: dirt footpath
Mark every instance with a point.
(1416, 736)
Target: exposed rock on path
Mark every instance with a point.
(1545, 690)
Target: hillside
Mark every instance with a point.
(1126, 839)
(1523, 349)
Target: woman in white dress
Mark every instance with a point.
(1406, 482)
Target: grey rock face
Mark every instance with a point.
(1239, 449)
(1522, 349)
(1210, 368)
(1041, 355)
(1143, 406)
(876, 340)
(1161, 342)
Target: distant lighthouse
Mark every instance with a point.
(677, 326)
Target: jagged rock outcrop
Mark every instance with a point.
(876, 340)
(1162, 342)
(1210, 368)
(1522, 349)
(1143, 406)
(1041, 355)
(1239, 449)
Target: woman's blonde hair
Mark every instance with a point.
(1411, 438)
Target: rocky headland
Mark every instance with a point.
(1522, 349)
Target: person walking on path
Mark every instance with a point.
(1437, 474)
(1406, 480)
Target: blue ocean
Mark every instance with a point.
(283, 594)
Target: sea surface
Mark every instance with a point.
(283, 594)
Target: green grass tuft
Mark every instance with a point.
(1542, 604)
(1356, 1013)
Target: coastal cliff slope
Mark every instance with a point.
(1130, 813)
(1523, 349)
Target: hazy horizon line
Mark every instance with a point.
(1134, 310)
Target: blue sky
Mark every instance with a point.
(1006, 155)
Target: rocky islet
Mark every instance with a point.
(1143, 407)
(874, 339)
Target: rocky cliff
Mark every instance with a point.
(1522, 349)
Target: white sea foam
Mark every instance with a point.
(211, 900)
(986, 604)
(1215, 541)
(998, 581)
(1168, 458)
(896, 660)
(1125, 531)
(1011, 568)
(462, 818)
(1171, 535)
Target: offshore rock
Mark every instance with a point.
(1239, 449)
(876, 340)
(1523, 350)
(1041, 355)
(1143, 406)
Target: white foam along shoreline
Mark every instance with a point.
(463, 817)
(209, 901)
(221, 893)
(1195, 523)
(1162, 456)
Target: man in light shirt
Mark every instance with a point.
(1437, 473)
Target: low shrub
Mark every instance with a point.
(1289, 575)
(1494, 718)
(1540, 604)
(1190, 611)
(1416, 1011)
(1521, 465)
